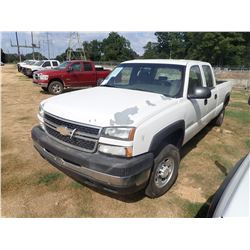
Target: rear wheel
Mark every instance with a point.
(55, 88)
(165, 171)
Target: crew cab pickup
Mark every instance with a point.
(40, 65)
(70, 74)
(126, 134)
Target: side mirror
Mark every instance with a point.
(69, 69)
(200, 93)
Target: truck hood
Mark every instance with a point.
(107, 106)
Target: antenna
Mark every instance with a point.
(75, 48)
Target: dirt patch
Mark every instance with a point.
(31, 187)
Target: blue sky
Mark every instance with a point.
(59, 40)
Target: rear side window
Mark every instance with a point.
(76, 66)
(46, 64)
(87, 66)
(195, 79)
(55, 63)
(208, 76)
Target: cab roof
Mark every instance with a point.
(166, 61)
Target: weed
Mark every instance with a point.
(49, 178)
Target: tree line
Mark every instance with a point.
(218, 48)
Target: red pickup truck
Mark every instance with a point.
(70, 74)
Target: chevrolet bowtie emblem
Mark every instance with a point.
(65, 131)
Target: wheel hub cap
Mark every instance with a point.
(164, 172)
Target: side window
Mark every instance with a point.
(124, 76)
(55, 63)
(76, 66)
(208, 76)
(195, 79)
(87, 67)
(46, 64)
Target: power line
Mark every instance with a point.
(18, 46)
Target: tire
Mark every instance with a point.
(55, 88)
(45, 88)
(163, 175)
(219, 119)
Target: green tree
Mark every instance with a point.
(3, 59)
(150, 50)
(93, 50)
(117, 48)
(218, 48)
(169, 45)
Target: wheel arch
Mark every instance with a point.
(56, 79)
(227, 99)
(172, 134)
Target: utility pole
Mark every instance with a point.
(32, 43)
(18, 48)
(48, 45)
(32, 46)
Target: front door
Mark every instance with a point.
(73, 77)
(196, 108)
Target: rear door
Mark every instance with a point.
(46, 65)
(55, 64)
(212, 101)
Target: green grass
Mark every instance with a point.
(240, 116)
(239, 94)
(76, 185)
(49, 178)
(240, 105)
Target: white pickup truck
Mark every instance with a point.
(40, 65)
(126, 134)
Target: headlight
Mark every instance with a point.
(41, 115)
(43, 77)
(119, 133)
(115, 150)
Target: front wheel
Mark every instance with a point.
(55, 88)
(44, 89)
(165, 171)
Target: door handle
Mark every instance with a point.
(205, 102)
(215, 96)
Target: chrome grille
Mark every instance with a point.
(82, 137)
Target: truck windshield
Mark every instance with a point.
(39, 63)
(166, 79)
(62, 65)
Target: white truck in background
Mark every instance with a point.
(28, 70)
(125, 135)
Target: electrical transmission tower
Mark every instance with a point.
(33, 46)
(75, 49)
